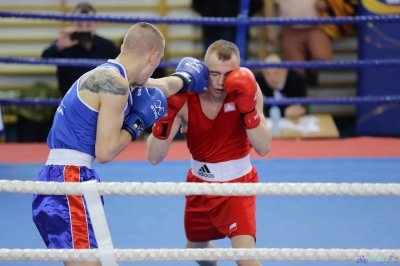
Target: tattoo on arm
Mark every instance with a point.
(103, 80)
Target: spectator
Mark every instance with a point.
(281, 83)
(220, 8)
(305, 42)
(84, 45)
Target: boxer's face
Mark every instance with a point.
(219, 71)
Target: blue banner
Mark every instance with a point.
(379, 41)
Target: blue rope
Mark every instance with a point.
(30, 101)
(335, 101)
(53, 61)
(392, 62)
(267, 101)
(206, 20)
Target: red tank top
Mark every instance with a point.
(218, 140)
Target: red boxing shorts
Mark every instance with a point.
(216, 217)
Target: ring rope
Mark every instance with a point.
(219, 21)
(196, 254)
(268, 101)
(338, 100)
(183, 188)
(389, 62)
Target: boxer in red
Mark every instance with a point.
(221, 127)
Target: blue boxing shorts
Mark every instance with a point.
(63, 220)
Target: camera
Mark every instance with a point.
(81, 35)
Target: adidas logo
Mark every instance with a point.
(205, 172)
(229, 107)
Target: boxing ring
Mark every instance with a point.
(335, 204)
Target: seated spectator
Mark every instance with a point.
(79, 41)
(305, 42)
(280, 83)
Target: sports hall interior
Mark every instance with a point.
(152, 222)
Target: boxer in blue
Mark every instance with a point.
(103, 111)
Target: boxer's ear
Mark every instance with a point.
(154, 56)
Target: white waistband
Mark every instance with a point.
(224, 171)
(69, 157)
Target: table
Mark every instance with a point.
(309, 126)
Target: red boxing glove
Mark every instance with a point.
(162, 127)
(242, 82)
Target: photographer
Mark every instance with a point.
(79, 41)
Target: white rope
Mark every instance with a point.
(197, 254)
(177, 189)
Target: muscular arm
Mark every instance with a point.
(260, 137)
(157, 149)
(112, 94)
(168, 85)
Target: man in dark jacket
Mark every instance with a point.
(280, 83)
(79, 41)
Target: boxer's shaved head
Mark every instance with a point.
(143, 37)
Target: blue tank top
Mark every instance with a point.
(75, 122)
